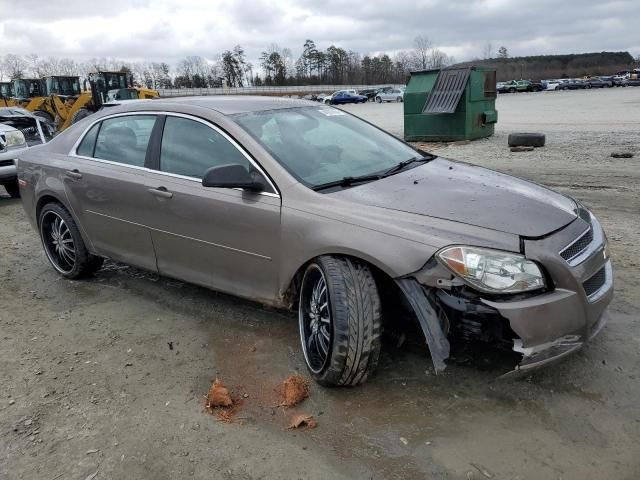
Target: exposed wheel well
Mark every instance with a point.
(392, 299)
(43, 201)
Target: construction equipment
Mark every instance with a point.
(6, 94)
(104, 87)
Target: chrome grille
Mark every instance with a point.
(578, 246)
(595, 282)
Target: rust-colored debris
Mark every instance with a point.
(303, 420)
(294, 389)
(218, 395)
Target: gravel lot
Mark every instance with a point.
(90, 383)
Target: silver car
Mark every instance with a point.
(300, 205)
(391, 95)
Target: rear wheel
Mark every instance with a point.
(340, 321)
(79, 115)
(12, 188)
(399, 99)
(512, 90)
(63, 243)
(378, 100)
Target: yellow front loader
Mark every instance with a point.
(105, 87)
(6, 94)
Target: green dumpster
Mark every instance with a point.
(451, 104)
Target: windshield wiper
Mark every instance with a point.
(347, 182)
(405, 163)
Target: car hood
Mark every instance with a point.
(468, 194)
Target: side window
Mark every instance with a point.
(190, 148)
(125, 139)
(88, 142)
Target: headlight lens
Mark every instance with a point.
(14, 138)
(492, 271)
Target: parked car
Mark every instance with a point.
(597, 82)
(514, 86)
(19, 129)
(617, 80)
(553, 85)
(297, 205)
(346, 96)
(572, 84)
(536, 86)
(321, 96)
(370, 93)
(393, 95)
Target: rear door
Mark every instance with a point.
(107, 188)
(227, 239)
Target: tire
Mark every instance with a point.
(588, 85)
(71, 259)
(378, 100)
(340, 321)
(80, 115)
(512, 90)
(12, 188)
(399, 99)
(526, 139)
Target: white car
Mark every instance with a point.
(393, 95)
(13, 143)
(553, 84)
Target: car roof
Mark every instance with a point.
(232, 104)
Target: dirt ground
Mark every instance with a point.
(109, 376)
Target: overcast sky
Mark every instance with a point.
(167, 30)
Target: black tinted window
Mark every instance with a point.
(125, 139)
(88, 142)
(190, 148)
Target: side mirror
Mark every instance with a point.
(232, 176)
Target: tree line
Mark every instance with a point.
(538, 67)
(277, 66)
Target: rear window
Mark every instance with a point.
(88, 142)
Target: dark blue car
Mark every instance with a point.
(341, 98)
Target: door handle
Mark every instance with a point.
(75, 174)
(160, 192)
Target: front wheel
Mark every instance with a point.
(399, 99)
(512, 90)
(378, 100)
(63, 243)
(340, 321)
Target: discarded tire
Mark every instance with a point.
(526, 139)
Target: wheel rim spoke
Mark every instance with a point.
(58, 242)
(315, 319)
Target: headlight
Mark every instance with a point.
(14, 138)
(492, 271)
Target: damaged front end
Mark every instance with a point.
(551, 318)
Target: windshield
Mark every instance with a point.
(319, 145)
(63, 85)
(27, 88)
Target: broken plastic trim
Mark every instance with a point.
(418, 298)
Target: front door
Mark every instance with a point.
(106, 187)
(227, 239)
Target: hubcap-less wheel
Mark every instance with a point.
(58, 242)
(315, 319)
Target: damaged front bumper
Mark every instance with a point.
(542, 327)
